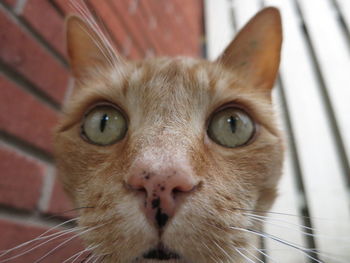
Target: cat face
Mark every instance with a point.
(167, 155)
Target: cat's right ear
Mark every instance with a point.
(86, 49)
(254, 54)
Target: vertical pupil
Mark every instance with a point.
(103, 122)
(233, 123)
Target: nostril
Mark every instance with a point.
(183, 190)
(138, 188)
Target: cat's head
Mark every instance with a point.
(168, 155)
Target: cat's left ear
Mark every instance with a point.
(85, 47)
(255, 52)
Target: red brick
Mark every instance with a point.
(134, 31)
(138, 18)
(125, 44)
(45, 20)
(160, 34)
(14, 234)
(19, 50)
(170, 31)
(21, 180)
(60, 203)
(24, 116)
(192, 12)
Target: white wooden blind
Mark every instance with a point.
(313, 97)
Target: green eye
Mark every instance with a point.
(104, 125)
(231, 127)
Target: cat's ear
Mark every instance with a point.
(85, 47)
(254, 54)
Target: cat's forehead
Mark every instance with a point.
(178, 81)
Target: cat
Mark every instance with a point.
(164, 157)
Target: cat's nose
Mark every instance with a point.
(164, 191)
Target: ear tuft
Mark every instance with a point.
(85, 48)
(254, 54)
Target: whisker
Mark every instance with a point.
(302, 232)
(78, 254)
(92, 257)
(41, 244)
(252, 254)
(263, 253)
(284, 242)
(223, 250)
(70, 239)
(86, 258)
(86, 14)
(41, 236)
(244, 256)
(283, 214)
(280, 220)
(59, 214)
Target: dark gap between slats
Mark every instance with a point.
(341, 21)
(233, 17)
(340, 147)
(310, 241)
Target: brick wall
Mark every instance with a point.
(34, 80)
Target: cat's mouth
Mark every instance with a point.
(161, 253)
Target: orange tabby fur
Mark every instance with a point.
(168, 102)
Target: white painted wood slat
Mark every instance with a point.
(245, 10)
(333, 54)
(218, 24)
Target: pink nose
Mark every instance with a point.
(165, 189)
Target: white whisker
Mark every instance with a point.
(97, 258)
(252, 254)
(279, 220)
(70, 239)
(41, 244)
(223, 250)
(265, 235)
(263, 253)
(244, 256)
(77, 255)
(302, 232)
(40, 237)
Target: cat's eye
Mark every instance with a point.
(104, 125)
(231, 127)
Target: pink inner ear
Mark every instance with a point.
(255, 52)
